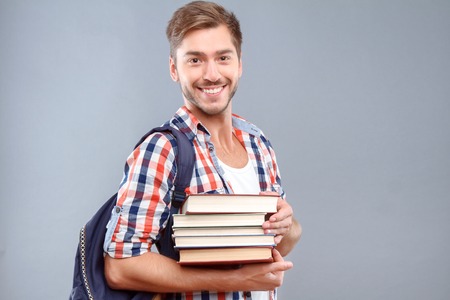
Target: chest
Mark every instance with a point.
(209, 176)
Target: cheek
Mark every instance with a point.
(234, 73)
(190, 79)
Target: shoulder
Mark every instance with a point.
(157, 142)
(250, 129)
(246, 126)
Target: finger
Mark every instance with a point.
(284, 211)
(280, 216)
(276, 255)
(280, 224)
(278, 238)
(279, 263)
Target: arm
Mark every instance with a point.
(283, 224)
(286, 229)
(290, 239)
(157, 273)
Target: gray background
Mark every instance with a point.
(354, 95)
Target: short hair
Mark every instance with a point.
(201, 15)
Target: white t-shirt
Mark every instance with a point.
(245, 181)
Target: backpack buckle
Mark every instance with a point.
(178, 198)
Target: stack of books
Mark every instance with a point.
(224, 229)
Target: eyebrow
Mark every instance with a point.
(199, 53)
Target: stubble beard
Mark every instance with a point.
(208, 111)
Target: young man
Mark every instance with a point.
(232, 156)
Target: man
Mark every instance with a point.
(205, 59)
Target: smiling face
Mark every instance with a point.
(208, 69)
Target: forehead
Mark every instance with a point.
(207, 41)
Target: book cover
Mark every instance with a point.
(217, 256)
(218, 220)
(207, 231)
(225, 241)
(229, 203)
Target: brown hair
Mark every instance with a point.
(201, 15)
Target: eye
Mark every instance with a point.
(224, 58)
(194, 60)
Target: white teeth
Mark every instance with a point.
(212, 91)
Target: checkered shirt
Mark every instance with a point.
(150, 170)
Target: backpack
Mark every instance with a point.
(89, 280)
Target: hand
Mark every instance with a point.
(264, 277)
(279, 223)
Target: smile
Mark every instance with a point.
(213, 91)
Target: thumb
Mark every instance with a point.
(282, 264)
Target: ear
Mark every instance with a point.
(240, 65)
(173, 69)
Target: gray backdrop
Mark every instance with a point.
(354, 95)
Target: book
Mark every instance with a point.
(229, 203)
(218, 220)
(224, 229)
(217, 256)
(207, 231)
(223, 241)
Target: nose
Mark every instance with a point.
(211, 72)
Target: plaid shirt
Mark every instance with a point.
(150, 171)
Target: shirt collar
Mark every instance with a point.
(190, 125)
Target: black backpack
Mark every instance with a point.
(89, 280)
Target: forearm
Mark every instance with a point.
(290, 240)
(157, 273)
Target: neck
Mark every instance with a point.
(228, 148)
(219, 125)
(221, 131)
